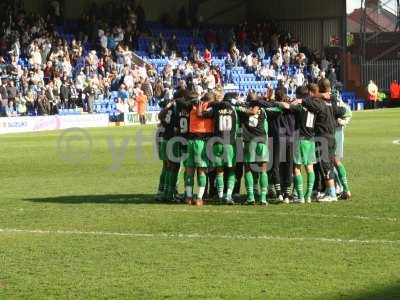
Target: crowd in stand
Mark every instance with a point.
(46, 66)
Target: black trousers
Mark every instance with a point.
(372, 104)
(286, 167)
(281, 171)
(238, 174)
(142, 119)
(325, 152)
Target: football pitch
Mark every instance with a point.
(78, 221)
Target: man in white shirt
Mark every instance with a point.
(249, 60)
(128, 80)
(271, 73)
(142, 72)
(314, 71)
(299, 78)
(103, 39)
(278, 60)
(210, 80)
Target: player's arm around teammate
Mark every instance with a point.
(342, 122)
(197, 162)
(221, 148)
(256, 153)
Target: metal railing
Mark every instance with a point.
(382, 72)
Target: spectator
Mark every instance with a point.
(261, 51)
(30, 103)
(88, 97)
(277, 60)
(324, 64)
(228, 68)
(42, 104)
(394, 90)
(210, 82)
(162, 46)
(73, 94)
(299, 78)
(173, 45)
(21, 105)
(275, 43)
(103, 40)
(122, 108)
(3, 93)
(10, 110)
(332, 77)
(11, 91)
(65, 95)
(147, 90)
(141, 102)
(372, 95)
(315, 71)
(152, 50)
(158, 91)
(207, 56)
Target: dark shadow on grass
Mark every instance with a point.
(101, 199)
(392, 292)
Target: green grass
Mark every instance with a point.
(179, 252)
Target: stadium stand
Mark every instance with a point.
(67, 72)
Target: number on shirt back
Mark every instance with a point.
(253, 121)
(183, 125)
(310, 120)
(168, 117)
(225, 123)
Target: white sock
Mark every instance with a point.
(189, 192)
(229, 193)
(201, 193)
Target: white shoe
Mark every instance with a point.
(300, 201)
(230, 202)
(327, 199)
(286, 200)
(279, 199)
(308, 200)
(339, 190)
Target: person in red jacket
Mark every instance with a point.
(394, 90)
(395, 93)
(207, 56)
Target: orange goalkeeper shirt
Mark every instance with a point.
(198, 125)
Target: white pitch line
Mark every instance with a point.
(311, 215)
(195, 236)
(272, 213)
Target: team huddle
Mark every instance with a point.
(219, 138)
